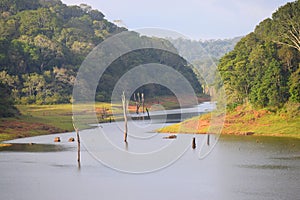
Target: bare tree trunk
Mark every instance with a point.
(208, 139)
(143, 102)
(78, 147)
(126, 129)
(125, 116)
(138, 103)
(78, 143)
(194, 143)
(148, 113)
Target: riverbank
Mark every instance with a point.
(49, 119)
(243, 121)
(42, 120)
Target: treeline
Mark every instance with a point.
(264, 68)
(50, 87)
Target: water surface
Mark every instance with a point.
(239, 167)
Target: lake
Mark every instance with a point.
(239, 167)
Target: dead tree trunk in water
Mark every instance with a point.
(137, 103)
(148, 113)
(194, 143)
(124, 102)
(208, 142)
(78, 147)
(143, 102)
(78, 143)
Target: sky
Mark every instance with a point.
(196, 19)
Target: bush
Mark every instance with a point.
(27, 100)
(232, 106)
(291, 109)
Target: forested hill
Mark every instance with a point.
(39, 35)
(198, 50)
(264, 68)
(43, 43)
(204, 55)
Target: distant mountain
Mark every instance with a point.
(204, 56)
(196, 50)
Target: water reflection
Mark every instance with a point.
(31, 147)
(279, 167)
(287, 158)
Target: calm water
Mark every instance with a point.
(238, 168)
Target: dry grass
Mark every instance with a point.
(243, 121)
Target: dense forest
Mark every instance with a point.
(264, 67)
(204, 56)
(43, 43)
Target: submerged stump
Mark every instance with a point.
(194, 143)
(170, 137)
(57, 139)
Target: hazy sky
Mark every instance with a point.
(197, 19)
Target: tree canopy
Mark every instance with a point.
(263, 68)
(43, 43)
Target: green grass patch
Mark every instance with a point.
(46, 119)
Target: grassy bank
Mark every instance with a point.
(243, 121)
(43, 119)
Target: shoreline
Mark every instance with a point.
(241, 134)
(66, 135)
(242, 122)
(55, 119)
(38, 120)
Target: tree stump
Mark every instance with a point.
(194, 143)
(57, 139)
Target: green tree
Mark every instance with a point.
(294, 84)
(7, 109)
(286, 22)
(264, 65)
(12, 83)
(33, 87)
